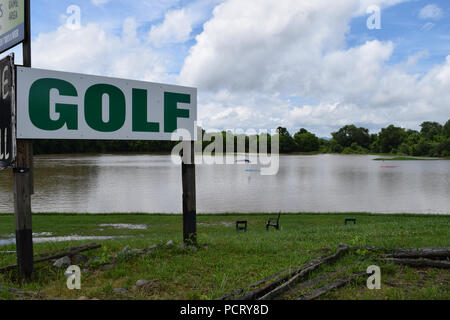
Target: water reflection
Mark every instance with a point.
(152, 184)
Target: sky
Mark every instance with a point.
(260, 64)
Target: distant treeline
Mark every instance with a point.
(100, 146)
(432, 140)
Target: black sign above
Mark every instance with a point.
(7, 112)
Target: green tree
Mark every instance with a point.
(391, 138)
(287, 143)
(446, 129)
(375, 146)
(350, 134)
(306, 141)
(373, 138)
(444, 148)
(422, 148)
(404, 149)
(413, 137)
(324, 146)
(335, 146)
(430, 130)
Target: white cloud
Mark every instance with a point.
(176, 28)
(178, 24)
(238, 51)
(98, 48)
(93, 50)
(247, 70)
(430, 11)
(364, 4)
(100, 2)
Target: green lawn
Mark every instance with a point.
(228, 260)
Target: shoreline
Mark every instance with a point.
(233, 214)
(250, 154)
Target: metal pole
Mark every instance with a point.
(23, 180)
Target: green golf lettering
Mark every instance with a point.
(140, 123)
(171, 111)
(93, 108)
(39, 105)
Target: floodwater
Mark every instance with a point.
(8, 241)
(152, 184)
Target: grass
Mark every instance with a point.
(227, 260)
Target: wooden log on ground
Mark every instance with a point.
(249, 292)
(27, 294)
(309, 284)
(280, 277)
(429, 253)
(413, 253)
(419, 263)
(239, 292)
(70, 252)
(330, 286)
(342, 249)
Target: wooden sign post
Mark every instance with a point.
(23, 181)
(189, 194)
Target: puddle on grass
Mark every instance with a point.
(4, 242)
(42, 234)
(125, 226)
(35, 234)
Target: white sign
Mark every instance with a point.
(61, 105)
